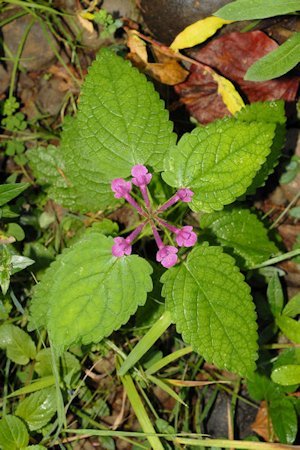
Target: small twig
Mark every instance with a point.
(294, 200)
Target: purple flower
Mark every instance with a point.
(186, 237)
(167, 256)
(185, 195)
(121, 247)
(141, 175)
(120, 187)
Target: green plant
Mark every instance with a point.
(10, 262)
(121, 125)
(219, 163)
(14, 122)
(286, 56)
(108, 23)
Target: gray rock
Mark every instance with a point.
(166, 18)
(37, 53)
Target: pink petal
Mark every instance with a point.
(139, 170)
(167, 256)
(185, 195)
(120, 187)
(121, 247)
(186, 237)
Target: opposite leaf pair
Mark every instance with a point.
(88, 292)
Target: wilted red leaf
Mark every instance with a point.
(231, 55)
(200, 94)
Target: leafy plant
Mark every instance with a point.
(122, 127)
(109, 24)
(14, 122)
(281, 407)
(10, 262)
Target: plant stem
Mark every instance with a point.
(145, 195)
(156, 235)
(168, 203)
(167, 225)
(146, 342)
(17, 58)
(133, 203)
(277, 259)
(297, 196)
(167, 360)
(233, 444)
(141, 412)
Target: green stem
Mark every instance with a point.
(5, 387)
(84, 415)
(146, 342)
(225, 443)
(35, 5)
(279, 346)
(277, 259)
(141, 412)
(292, 202)
(233, 444)
(167, 360)
(17, 58)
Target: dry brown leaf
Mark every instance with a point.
(137, 47)
(262, 424)
(167, 70)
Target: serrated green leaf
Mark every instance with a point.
(218, 162)
(288, 375)
(19, 346)
(275, 295)
(284, 419)
(68, 364)
(256, 9)
(287, 356)
(49, 169)
(38, 408)
(269, 112)
(261, 387)
(89, 288)
(290, 328)
(276, 63)
(212, 308)
(292, 308)
(241, 233)
(13, 433)
(120, 122)
(10, 191)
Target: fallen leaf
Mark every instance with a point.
(198, 32)
(229, 94)
(137, 47)
(200, 95)
(234, 53)
(262, 424)
(167, 70)
(231, 55)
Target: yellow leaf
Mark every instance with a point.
(87, 15)
(230, 96)
(198, 32)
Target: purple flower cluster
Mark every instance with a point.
(185, 236)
